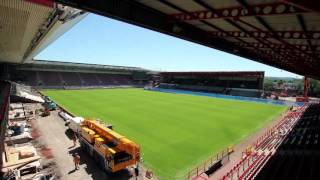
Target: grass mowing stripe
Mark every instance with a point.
(175, 131)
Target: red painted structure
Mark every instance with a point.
(305, 97)
(239, 11)
(284, 34)
(48, 3)
(5, 88)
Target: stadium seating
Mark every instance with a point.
(247, 84)
(283, 146)
(70, 79)
(299, 153)
(31, 78)
(123, 79)
(106, 79)
(49, 78)
(89, 79)
(55, 79)
(244, 92)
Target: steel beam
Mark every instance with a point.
(231, 22)
(308, 5)
(304, 28)
(306, 87)
(287, 45)
(139, 14)
(276, 54)
(266, 34)
(277, 46)
(239, 11)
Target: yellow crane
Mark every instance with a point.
(113, 151)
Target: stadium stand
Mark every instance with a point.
(268, 148)
(89, 79)
(244, 92)
(299, 151)
(57, 75)
(70, 78)
(50, 74)
(106, 79)
(48, 78)
(249, 84)
(31, 77)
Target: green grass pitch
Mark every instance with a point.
(175, 131)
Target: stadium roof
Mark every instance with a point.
(28, 26)
(41, 63)
(216, 73)
(284, 34)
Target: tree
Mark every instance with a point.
(268, 85)
(314, 87)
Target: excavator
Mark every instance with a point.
(111, 150)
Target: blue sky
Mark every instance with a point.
(101, 40)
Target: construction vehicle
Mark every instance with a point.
(45, 112)
(111, 150)
(49, 104)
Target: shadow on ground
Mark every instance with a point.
(94, 170)
(69, 133)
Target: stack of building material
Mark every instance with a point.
(18, 139)
(21, 158)
(17, 115)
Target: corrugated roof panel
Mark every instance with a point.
(187, 5)
(159, 6)
(222, 4)
(253, 21)
(221, 23)
(20, 21)
(284, 22)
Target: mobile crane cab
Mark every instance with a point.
(111, 150)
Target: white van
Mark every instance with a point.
(65, 116)
(74, 124)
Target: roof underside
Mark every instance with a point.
(283, 34)
(19, 23)
(28, 26)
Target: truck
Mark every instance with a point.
(112, 151)
(72, 122)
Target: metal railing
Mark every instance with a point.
(257, 155)
(203, 167)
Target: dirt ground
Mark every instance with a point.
(57, 137)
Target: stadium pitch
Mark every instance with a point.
(175, 131)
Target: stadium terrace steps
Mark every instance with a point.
(262, 152)
(70, 78)
(89, 79)
(56, 79)
(49, 78)
(31, 77)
